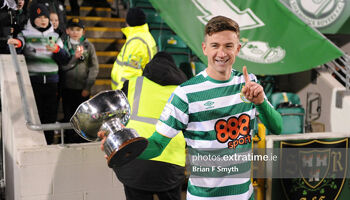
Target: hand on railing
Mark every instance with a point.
(16, 42)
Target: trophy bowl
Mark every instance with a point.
(109, 111)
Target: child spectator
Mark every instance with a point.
(55, 23)
(54, 20)
(43, 51)
(80, 73)
(56, 6)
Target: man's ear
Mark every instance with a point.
(204, 47)
(239, 47)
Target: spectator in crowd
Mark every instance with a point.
(43, 51)
(55, 23)
(19, 18)
(165, 174)
(20, 4)
(94, 3)
(137, 51)
(215, 110)
(7, 8)
(79, 74)
(74, 7)
(56, 6)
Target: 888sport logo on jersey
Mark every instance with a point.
(235, 131)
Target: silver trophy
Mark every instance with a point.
(109, 111)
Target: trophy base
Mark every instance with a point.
(127, 152)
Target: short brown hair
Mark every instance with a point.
(221, 23)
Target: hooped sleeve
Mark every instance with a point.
(156, 145)
(270, 117)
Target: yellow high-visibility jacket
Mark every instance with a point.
(137, 51)
(147, 100)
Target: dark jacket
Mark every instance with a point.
(19, 19)
(80, 73)
(6, 8)
(160, 176)
(162, 70)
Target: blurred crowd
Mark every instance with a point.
(14, 15)
(62, 64)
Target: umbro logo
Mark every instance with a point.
(209, 104)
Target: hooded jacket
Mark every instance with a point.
(156, 175)
(162, 70)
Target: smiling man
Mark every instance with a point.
(216, 110)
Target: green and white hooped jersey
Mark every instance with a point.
(39, 60)
(212, 114)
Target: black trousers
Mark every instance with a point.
(71, 99)
(136, 194)
(46, 102)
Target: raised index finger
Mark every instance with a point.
(245, 74)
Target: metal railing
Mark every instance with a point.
(28, 118)
(341, 69)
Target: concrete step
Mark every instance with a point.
(101, 11)
(106, 57)
(100, 3)
(92, 11)
(101, 85)
(106, 66)
(103, 32)
(104, 73)
(91, 21)
(103, 44)
(103, 29)
(101, 82)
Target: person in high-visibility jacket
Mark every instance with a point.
(138, 50)
(147, 96)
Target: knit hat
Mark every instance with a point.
(135, 17)
(163, 70)
(75, 22)
(37, 10)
